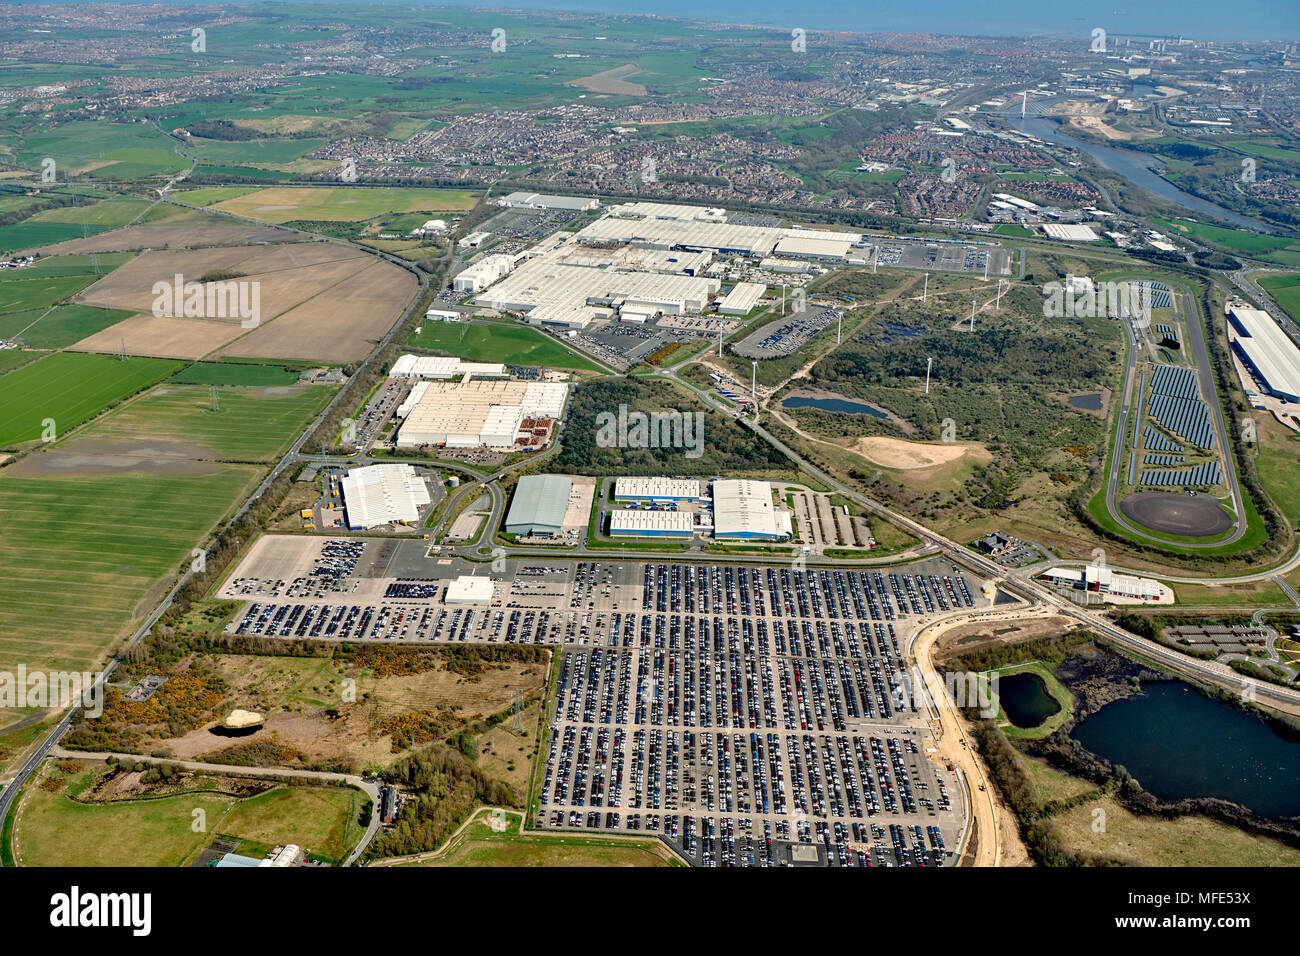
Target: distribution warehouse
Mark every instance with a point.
(744, 509)
(654, 524)
(539, 505)
(383, 494)
(1266, 350)
(657, 489)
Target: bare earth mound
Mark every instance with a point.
(897, 453)
(1177, 514)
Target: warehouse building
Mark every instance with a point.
(1266, 350)
(443, 367)
(469, 589)
(1104, 581)
(539, 505)
(650, 524)
(383, 494)
(744, 509)
(656, 489)
(809, 247)
(483, 273)
(742, 298)
(521, 200)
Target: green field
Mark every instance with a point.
(340, 203)
(39, 292)
(78, 265)
(81, 550)
(206, 195)
(250, 424)
(252, 152)
(110, 212)
(66, 325)
(52, 829)
(480, 845)
(234, 373)
(103, 148)
(12, 358)
(31, 234)
(69, 388)
(1286, 291)
(498, 342)
(1277, 248)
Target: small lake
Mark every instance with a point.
(1025, 699)
(834, 405)
(1089, 403)
(1179, 743)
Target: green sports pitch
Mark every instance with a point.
(498, 342)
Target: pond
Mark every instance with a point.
(1179, 743)
(1025, 699)
(834, 405)
(1089, 403)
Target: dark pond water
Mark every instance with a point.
(833, 405)
(1179, 743)
(1089, 403)
(1025, 699)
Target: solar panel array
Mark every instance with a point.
(1155, 441)
(1207, 473)
(1164, 460)
(1177, 407)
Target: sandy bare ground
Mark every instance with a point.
(897, 453)
(57, 464)
(1095, 125)
(612, 81)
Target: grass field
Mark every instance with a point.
(103, 148)
(498, 342)
(1052, 784)
(117, 211)
(1278, 462)
(341, 203)
(1286, 290)
(76, 265)
(51, 829)
(234, 373)
(31, 234)
(12, 358)
(81, 552)
(1150, 841)
(251, 424)
(66, 325)
(480, 845)
(69, 388)
(40, 292)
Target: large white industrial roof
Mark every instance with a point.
(544, 281)
(804, 245)
(647, 488)
(469, 589)
(441, 366)
(744, 507)
(382, 494)
(743, 297)
(648, 522)
(1271, 350)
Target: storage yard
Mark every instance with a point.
(746, 714)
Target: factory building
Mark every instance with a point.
(383, 494)
(483, 273)
(772, 264)
(469, 589)
(1266, 350)
(547, 281)
(656, 489)
(539, 505)
(443, 367)
(672, 211)
(521, 200)
(650, 524)
(478, 414)
(808, 247)
(562, 316)
(742, 298)
(744, 509)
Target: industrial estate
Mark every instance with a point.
(601, 444)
